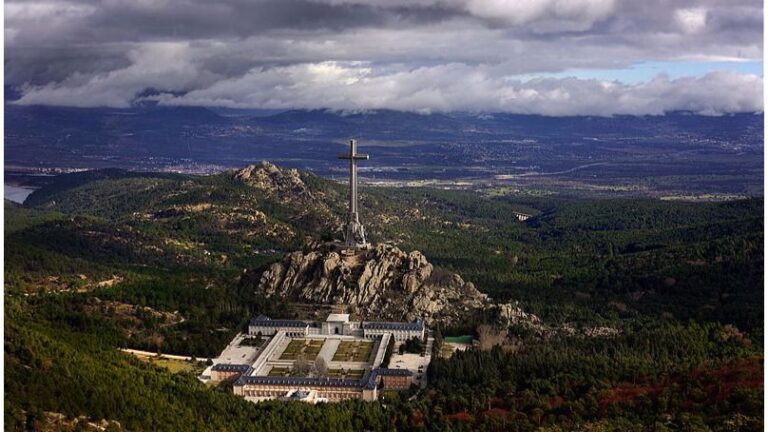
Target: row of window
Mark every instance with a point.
(281, 393)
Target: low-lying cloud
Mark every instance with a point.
(451, 87)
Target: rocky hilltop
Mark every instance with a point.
(275, 181)
(382, 282)
(303, 204)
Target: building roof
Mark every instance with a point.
(417, 325)
(225, 367)
(394, 372)
(231, 367)
(265, 321)
(367, 382)
(298, 381)
(338, 317)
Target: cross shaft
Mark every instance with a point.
(354, 234)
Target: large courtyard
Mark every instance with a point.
(337, 358)
(343, 356)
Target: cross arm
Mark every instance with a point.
(358, 156)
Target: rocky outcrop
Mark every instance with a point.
(307, 204)
(274, 181)
(381, 283)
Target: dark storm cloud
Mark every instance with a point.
(137, 21)
(193, 20)
(405, 54)
(45, 64)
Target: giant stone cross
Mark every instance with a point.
(354, 234)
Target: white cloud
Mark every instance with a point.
(584, 13)
(448, 87)
(691, 21)
(46, 10)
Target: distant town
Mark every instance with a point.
(677, 156)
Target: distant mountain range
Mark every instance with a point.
(712, 154)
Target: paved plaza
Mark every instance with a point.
(236, 353)
(416, 363)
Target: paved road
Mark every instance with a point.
(154, 354)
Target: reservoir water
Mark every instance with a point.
(17, 194)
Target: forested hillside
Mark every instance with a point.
(109, 259)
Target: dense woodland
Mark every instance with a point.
(112, 259)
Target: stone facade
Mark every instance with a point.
(337, 324)
(400, 331)
(266, 326)
(397, 379)
(228, 372)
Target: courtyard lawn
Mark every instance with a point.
(296, 347)
(313, 349)
(346, 373)
(353, 351)
(355, 373)
(291, 352)
(279, 371)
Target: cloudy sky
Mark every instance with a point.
(552, 57)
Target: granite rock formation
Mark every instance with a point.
(382, 282)
(304, 204)
(275, 181)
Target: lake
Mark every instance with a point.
(17, 194)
